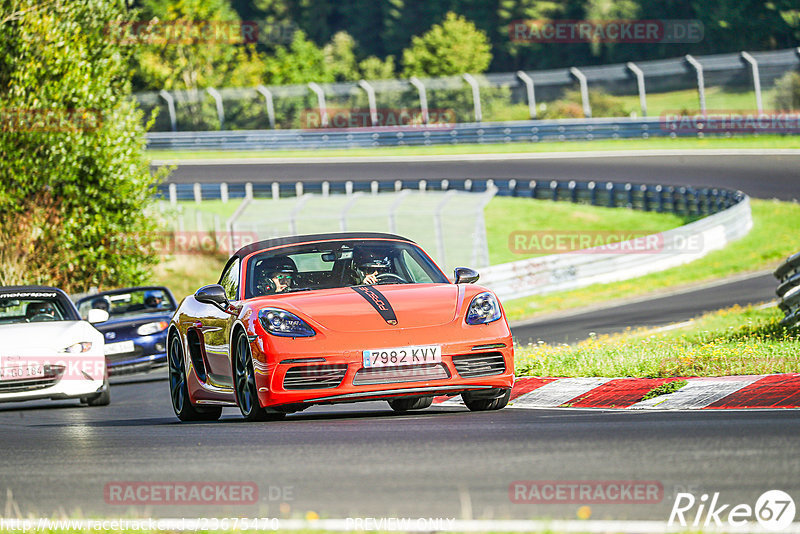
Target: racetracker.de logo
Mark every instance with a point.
(160, 32)
(586, 491)
(29, 120)
(79, 362)
(383, 117)
(602, 242)
(606, 31)
(724, 121)
(175, 493)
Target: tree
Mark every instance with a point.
(75, 182)
(454, 47)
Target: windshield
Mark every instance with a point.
(36, 309)
(133, 302)
(333, 264)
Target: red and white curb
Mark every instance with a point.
(707, 393)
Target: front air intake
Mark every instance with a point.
(314, 376)
(479, 364)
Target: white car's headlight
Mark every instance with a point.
(84, 346)
(148, 329)
(483, 309)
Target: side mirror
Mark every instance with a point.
(465, 275)
(96, 315)
(212, 294)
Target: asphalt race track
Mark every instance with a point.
(767, 176)
(364, 460)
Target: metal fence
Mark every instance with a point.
(495, 97)
(788, 274)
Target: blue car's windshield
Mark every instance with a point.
(134, 302)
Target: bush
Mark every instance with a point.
(74, 178)
(787, 92)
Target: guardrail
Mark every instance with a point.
(681, 200)
(788, 274)
(467, 133)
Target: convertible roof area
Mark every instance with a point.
(295, 239)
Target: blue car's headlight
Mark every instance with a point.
(483, 309)
(282, 323)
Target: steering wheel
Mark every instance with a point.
(389, 277)
(40, 318)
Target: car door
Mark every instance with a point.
(216, 329)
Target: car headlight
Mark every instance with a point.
(483, 309)
(282, 323)
(152, 328)
(75, 348)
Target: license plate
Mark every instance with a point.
(414, 355)
(120, 347)
(21, 372)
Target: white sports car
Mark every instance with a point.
(47, 351)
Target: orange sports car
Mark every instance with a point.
(333, 318)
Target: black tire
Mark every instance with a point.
(100, 399)
(244, 380)
(179, 391)
(481, 405)
(406, 404)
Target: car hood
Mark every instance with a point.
(346, 310)
(46, 337)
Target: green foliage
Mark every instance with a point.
(665, 389)
(570, 106)
(787, 92)
(340, 57)
(74, 181)
(451, 48)
(373, 68)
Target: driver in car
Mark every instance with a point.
(40, 311)
(274, 275)
(368, 266)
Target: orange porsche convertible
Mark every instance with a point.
(322, 319)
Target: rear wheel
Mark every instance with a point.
(245, 384)
(480, 405)
(179, 391)
(410, 403)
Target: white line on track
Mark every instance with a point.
(514, 156)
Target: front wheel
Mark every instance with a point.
(179, 391)
(245, 385)
(481, 405)
(412, 403)
(103, 398)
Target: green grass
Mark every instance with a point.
(717, 99)
(736, 341)
(774, 237)
(665, 389)
(506, 216)
(656, 143)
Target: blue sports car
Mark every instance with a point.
(136, 331)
